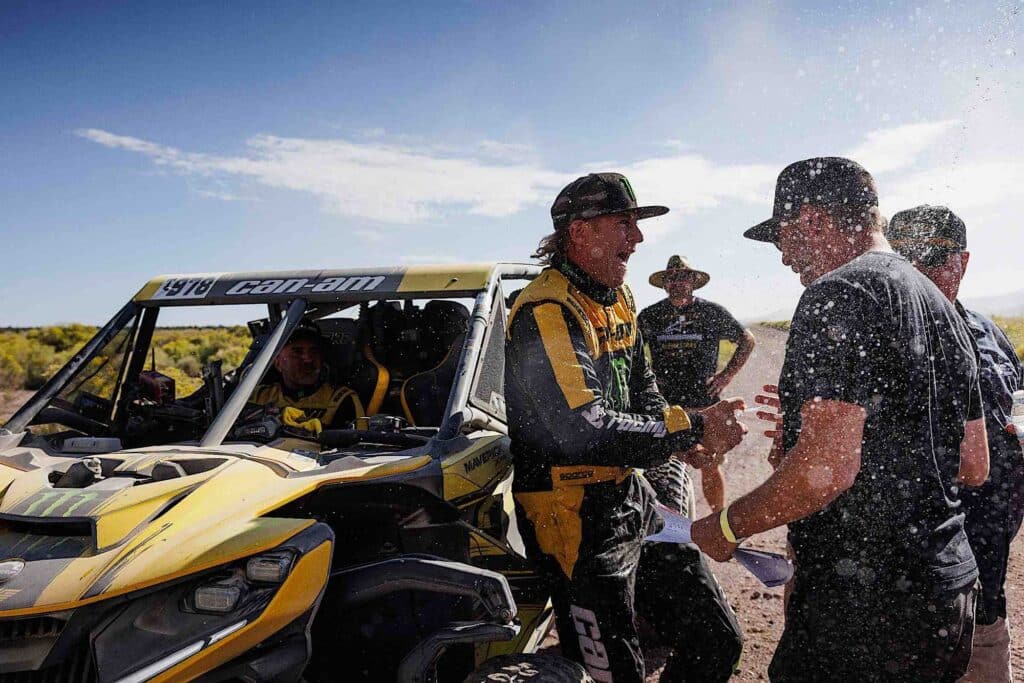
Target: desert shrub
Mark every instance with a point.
(1014, 329)
(29, 357)
(12, 374)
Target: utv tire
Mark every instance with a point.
(529, 668)
(672, 483)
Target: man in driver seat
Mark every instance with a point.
(302, 383)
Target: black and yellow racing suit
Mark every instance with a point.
(329, 404)
(584, 411)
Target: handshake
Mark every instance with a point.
(722, 432)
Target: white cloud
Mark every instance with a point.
(963, 187)
(420, 258)
(506, 151)
(410, 184)
(372, 236)
(226, 196)
(892, 149)
(368, 180)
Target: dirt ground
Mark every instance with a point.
(759, 609)
(11, 400)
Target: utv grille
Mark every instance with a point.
(76, 668)
(29, 640)
(14, 630)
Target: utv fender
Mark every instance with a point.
(424, 573)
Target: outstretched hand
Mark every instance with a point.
(699, 457)
(722, 429)
(717, 384)
(770, 398)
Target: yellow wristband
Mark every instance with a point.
(723, 520)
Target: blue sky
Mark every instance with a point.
(145, 138)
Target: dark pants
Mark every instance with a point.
(993, 517)
(681, 599)
(840, 631)
(596, 608)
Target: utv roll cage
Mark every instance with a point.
(289, 296)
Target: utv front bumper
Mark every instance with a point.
(162, 633)
(369, 582)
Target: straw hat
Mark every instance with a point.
(678, 265)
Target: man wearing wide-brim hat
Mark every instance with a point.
(683, 333)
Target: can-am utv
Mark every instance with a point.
(150, 536)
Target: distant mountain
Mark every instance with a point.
(1001, 304)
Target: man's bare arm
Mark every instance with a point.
(712, 483)
(744, 347)
(823, 464)
(974, 454)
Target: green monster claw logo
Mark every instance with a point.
(47, 503)
(620, 376)
(629, 189)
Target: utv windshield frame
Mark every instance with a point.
(289, 296)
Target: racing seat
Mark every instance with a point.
(406, 358)
(424, 396)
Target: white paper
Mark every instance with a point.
(677, 527)
(771, 569)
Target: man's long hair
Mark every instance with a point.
(554, 246)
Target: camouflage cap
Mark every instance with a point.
(823, 181)
(927, 234)
(598, 194)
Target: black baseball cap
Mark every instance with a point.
(927, 234)
(598, 194)
(306, 330)
(823, 181)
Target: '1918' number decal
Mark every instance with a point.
(184, 288)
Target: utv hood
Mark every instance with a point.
(157, 515)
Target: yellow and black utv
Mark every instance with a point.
(146, 535)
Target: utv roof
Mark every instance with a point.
(358, 284)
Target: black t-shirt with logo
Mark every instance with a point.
(878, 334)
(684, 347)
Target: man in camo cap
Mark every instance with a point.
(934, 239)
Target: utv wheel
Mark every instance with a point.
(672, 484)
(529, 668)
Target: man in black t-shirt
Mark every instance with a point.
(882, 426)
(934, 239)
(683, 333)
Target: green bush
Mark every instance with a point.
(29, 357)
(1014, 329)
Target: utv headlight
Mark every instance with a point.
(218, 598)
(271, 568)
(10, 568)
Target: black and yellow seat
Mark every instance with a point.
(406, 358)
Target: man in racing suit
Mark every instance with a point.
(300, 364)
(584, 413)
